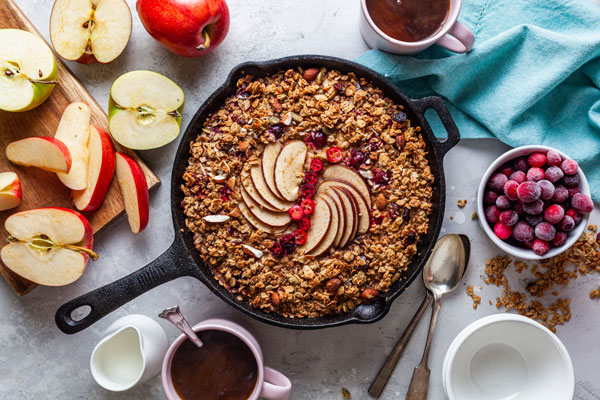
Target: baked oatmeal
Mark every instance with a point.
(307, 192)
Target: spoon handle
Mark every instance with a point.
(419, 384)
(174, 316)
(390, 363)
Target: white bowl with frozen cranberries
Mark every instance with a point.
(534, 202)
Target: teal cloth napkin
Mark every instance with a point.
(533, 76)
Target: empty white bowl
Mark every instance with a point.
(507, 357)
(520, 252)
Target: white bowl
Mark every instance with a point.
(519, 252)
(507, 357)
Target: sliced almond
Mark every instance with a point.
(252, 251)
(216, 219)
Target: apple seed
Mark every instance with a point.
(45, 244)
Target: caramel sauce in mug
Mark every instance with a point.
(409, 20)
(223, 369)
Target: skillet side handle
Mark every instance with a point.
(441, 147)
(172, 264)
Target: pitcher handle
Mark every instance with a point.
(459, 39)
(276, 386)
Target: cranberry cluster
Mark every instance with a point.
(534, 201)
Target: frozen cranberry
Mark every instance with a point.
(534, 208)
(307, 190)
(571, 181)
(508, 217)
(540, 247)
(523, 232)
(575, 215)
(559, 239)
(489, 197)
(311, 178)
(382, 177)
(276, 250)
(316, 165)
(518, 207)
(503, 203)
(521, 164)
(567, 224)
(316, 139)
(560, 194)
(545, 231)
(510, 190)
(534, 220)
(553, 159)
(537, 160)
(529, 191)
(547, 189)
(573, 191)
(492, 214)
(502, 231)
(518, 176)
(497, 182)
(554, 174)
(529, 244)
(506, 170)
(276, 130)
(535, 174)
(554, 214)
(582, 203)
(569, 166)
(356, 159)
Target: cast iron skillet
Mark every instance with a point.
(182, 259)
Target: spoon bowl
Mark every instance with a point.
(447, 265)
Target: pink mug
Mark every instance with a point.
(453, 36)
(270, 384)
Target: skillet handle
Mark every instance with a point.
(172, 264)
(422, 105)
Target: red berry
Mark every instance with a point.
(490, 197)
(334, 155)
(276, 250)
(296, 212)
(569, 166)
(497, 182)
(537, 160)
(535, 174)
(567, 224)
(492, 214)
(307, 190)
(575, 215)
(316, 165)
(506, 170)
(316, 139)
(509, 217)
(311, 178)
(534, 208)
(540, 247)
(502, 231)
(356, 159)
(582, 204)
(300, 237)
(382, 177)
(288, 242)
(554, 214)
(510, 190)
(545, 231)
(503, 203)
(304, 224)
(523, 232)
(529, 191)
(547, 189)
(521, 164)
(571, 181)
(518, 176)
(553, 159)
(559, 239)
(307, 206)
(561, 194)
(554, 174)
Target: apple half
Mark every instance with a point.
(134, 189)
(74, 131)
(48, 246)
(27, 70)
(100, 172)
(10, 191)
(144, 110)
(90, 31)
(49, 154)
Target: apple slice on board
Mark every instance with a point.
(270, 218)
(261, 186)
(48, 246)
(321, 221)
(74, 131)
(90, 31)
(251, 189)
(267, 164)
(347, 174)
(27, 70)
(144, 110)
(49, 154)
(10, 191)
(134, 190)
(100, 171)
(289, 168)
(255, 222)
(329, 237)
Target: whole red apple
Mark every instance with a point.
(190, 28)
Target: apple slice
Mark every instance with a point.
(329, 237)
(261, 186)
(90, 31)
(289, 168)
(10, 191)
(48, 246)
(258, 224)
(27, 70)
(349, 199)
(145, 109)
(270, 218)
(321, 221)
(348, 209)
(74, 131)
(341, 210)
(267, 164)
(251, 189)
(363, 211)
(134, 190)
(49, 154)
(100, 171)
(342, 172)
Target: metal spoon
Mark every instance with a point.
(448, 243)
(174, 316)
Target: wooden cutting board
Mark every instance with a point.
(40, 188)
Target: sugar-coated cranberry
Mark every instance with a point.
(554, 174)
(571, 181)
(534, 220)
(503, 203)
(547, 189)
(277, 250)
(573, 191)
(559, 239)
(529, 191)
(381, 177)
(560, 194)
(569, 166)
(497, 182)
(518, 207)
(506, 170)
(509, 217)
(489, 197)
(545, 231)
(553, 159)
(540, 247)
(523, 232)
(582, 203)
(575, 215)
(521, 164)
(537, 160)
(518, 176)
(510, 190)
(567, 224)
(534, 208)
(554, 214)
(492, 214)
(502, 231)
(535, 174)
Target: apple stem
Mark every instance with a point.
(43, 243)
(85, 250)
(43, 82)
(206, 44)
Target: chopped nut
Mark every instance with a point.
(462, 203)
(381, 202)
(221, 178)
(310, 74)
(400, 141)
(235, 213)
(231, 183)
(369, 294)
(252, 251)
(346, 393)
(275, 299)
(333, 285)
(474, 215)
(287, 119)
(243, 145)
(276, 104)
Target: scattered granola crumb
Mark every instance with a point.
(462, 203)
(592, 227)
(476, 299)
(490, 302)
(594, 294)
(474, 215)
(346, 393)
(452, 217)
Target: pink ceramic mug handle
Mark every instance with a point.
(276, 386)
(459, 39)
